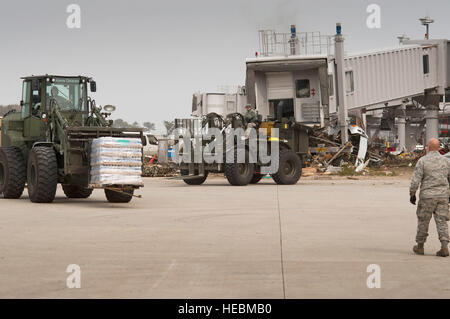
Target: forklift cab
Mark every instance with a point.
(69, 94)
(32, 107)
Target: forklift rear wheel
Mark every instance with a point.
(42, 175)
(75, 191)
(256, 178)
(239, 174)
(194, 181)
(13, 172)
(119, 197)
(289, 168)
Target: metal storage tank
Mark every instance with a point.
(214, 102)
(220, 103)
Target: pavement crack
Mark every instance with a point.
(281, 244)
(165, 273)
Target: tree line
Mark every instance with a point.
(120, 123)
(6, 108)
(148, 126)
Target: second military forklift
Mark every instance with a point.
(292, 141)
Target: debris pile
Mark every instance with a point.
(407, 159)
(328, 155)
(159, 170)
(356, 157)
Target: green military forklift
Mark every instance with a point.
(48, 141)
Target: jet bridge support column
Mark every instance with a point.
(432, 122)
(401, 128)
(431, 102)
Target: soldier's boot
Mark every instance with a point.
(418, 249)
(444, 250)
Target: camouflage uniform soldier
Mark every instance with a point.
(250, 116)
(432, 173)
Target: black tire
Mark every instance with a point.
(42, 175)
(289, 168)
(256, 178)
(74, 191)
(116, 197)
(13, 172)
(194, 181)
(239, 174)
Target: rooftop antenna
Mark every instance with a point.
(426, 22)
(402, 38)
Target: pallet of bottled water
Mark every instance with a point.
(116, 161)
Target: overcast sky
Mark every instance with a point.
(148, 57)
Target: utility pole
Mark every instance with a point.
(340, 80)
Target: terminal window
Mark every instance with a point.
(302, 88)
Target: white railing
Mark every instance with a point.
(273, 43)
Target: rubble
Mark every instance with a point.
(403, 159)
(159, 170)
(333, 169)
(328, 156)
(309, 171)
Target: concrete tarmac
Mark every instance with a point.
(315, 239)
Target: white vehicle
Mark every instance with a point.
(151, 147)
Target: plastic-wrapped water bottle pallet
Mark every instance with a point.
(116, 179)
(115, 171)
(123, 164)
(121, 154)
(116, 142)
(113, 145)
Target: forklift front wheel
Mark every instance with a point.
(42, 175)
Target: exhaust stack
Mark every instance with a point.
(340, 83)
